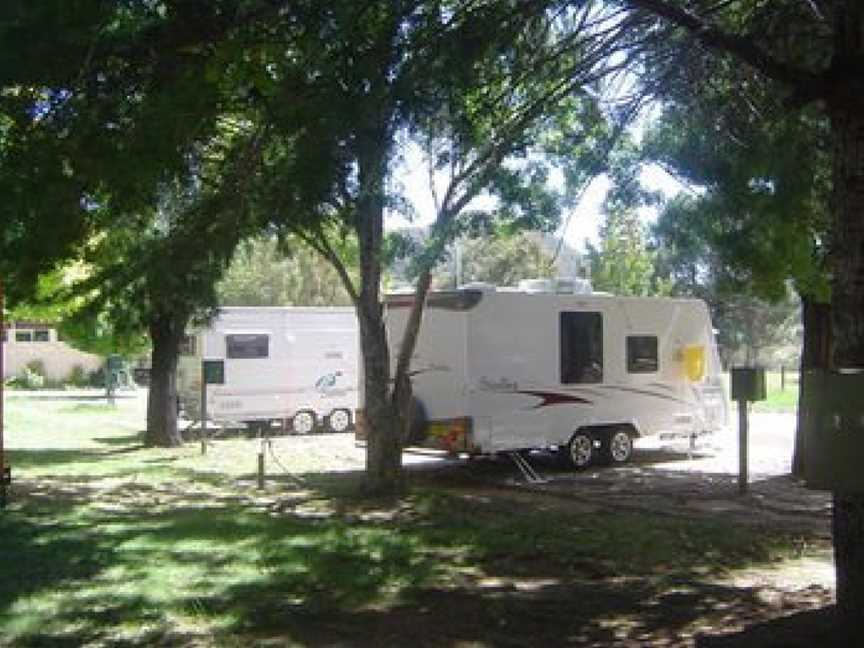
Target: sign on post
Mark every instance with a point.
(212, 373)
(748, 385)
(833, 433)
(113, 367)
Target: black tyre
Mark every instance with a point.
(303, 422)
(617, 447)
(339, 420)
(580, 450)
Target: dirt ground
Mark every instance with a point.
(668, 482)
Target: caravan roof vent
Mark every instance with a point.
(536, 286)
(573, 286)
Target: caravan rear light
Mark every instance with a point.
(453, 435)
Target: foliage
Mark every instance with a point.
(77, 377)
(751, 331)
(32, 376)
(624, 264)
(762, 206)
(261, 274)
(500, 258)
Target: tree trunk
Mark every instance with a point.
(847, 304)
(165, 335)
(383, 438)
(815, 354)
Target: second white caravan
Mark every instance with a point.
(290, 364)
(542, 366)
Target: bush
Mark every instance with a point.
(77, 377)
(96, 378)
(33, 375)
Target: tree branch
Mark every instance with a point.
(801, 81)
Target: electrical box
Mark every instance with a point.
(832, 416)
(214, 372)
(748, 384)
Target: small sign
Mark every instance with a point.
(214, 372)
(748, 384)
(114, 363)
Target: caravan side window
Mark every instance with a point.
(581, 347)
(247, 346)
(642, 354)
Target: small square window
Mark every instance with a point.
(41, 335)
(23, 336)
(247, 346)
(642, 354)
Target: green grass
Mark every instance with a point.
(110, 543)
(780, 398)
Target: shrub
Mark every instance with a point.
(32, 376)
(77, 377)
(96, 378)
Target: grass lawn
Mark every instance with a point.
(780, 397)
(109, 543)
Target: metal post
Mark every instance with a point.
(742, 447)
(782, 378)
(109, 381)
(203, 410)
(2, 446)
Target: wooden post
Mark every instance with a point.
(743, 469)
(203, 409)
(261, 467)
(782, 377)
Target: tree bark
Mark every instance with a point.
(383, 439)
(846, 109)
(166, 333)
(815, 354)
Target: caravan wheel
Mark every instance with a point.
(303, 422)
(339, 420)
(580, 450)
(617, 447)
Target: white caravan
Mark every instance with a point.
(552, 365)
(290, 364)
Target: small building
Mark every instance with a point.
(25, 342)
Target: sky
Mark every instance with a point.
(584, 223)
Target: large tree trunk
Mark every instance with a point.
(383, 438)
(166, 333)
(847, 304)
(815, 354)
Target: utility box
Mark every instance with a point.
(748, 384)
(833, 430)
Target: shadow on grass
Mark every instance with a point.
(24, 459)
(136, 441)
(192, 561)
